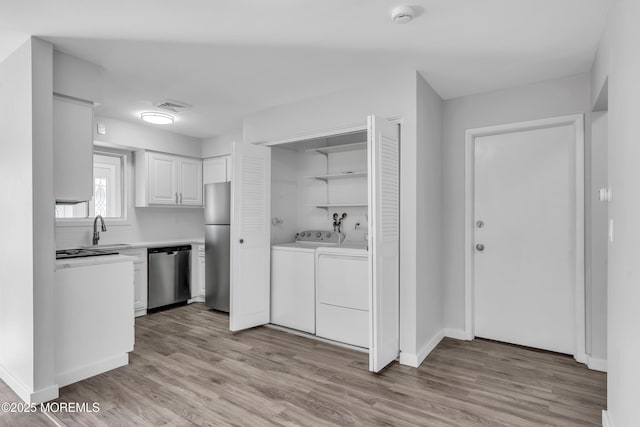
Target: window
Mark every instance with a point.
(108, 190)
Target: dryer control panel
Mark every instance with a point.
(320, 236)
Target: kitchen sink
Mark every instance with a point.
(82, 253)
(108, 246)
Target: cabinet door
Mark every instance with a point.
(139, 279)
(190, 192)
(73, 150)
(140, 288)
(201, 271)
(215, 170)
(163, 179)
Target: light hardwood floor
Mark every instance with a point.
(188, 369)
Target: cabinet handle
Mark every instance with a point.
(180, 198)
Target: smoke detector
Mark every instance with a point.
(172, 105)
(402, 14)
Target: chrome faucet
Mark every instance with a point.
(96, 233)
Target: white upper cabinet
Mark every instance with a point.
(167, 180)
(163, 179)
(217, 169)
(190, 181)
(73, 150)
(77, 86)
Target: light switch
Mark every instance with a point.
(604, 194)
(611, 230)
(102, 129)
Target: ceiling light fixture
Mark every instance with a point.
(157, 118)
(402, 14)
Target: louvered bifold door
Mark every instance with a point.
(384, 242)
(250, 236)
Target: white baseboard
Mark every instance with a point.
(415, 360)
(28, 396)
(196, 299)
(596, 364)
(606, 421)
(317, 338)
(45, 395)
(91, 370)
(457, 334)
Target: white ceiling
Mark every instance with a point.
(229, 58)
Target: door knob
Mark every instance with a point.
(480, 247)
(241, 240)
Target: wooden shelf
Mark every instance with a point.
(338, 205)
(340, 148)
(338, 176)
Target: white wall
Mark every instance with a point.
(596, 240)
(220, 145)
(141, 136)
(284, 200)
(27, 260)
(393, 97)
(623, 69)
(429, 213)
(143, 224)
(76, 78)
(564, 96)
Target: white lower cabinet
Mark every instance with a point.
(139, 279)
(342, 298)
(201, 270)
(198, 274)
(93, 317)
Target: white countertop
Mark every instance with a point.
(144, 244)
(92, 260)
(155, 244)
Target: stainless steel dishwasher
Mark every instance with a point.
(169, 276)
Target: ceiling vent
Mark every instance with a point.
(173, 105)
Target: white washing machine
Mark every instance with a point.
(342, 293)
(293, 279)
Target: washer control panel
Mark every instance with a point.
(320, 236)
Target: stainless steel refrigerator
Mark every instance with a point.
(217, 214)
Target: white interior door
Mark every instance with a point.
(524, 238)
(384, 242)
(250, 236)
